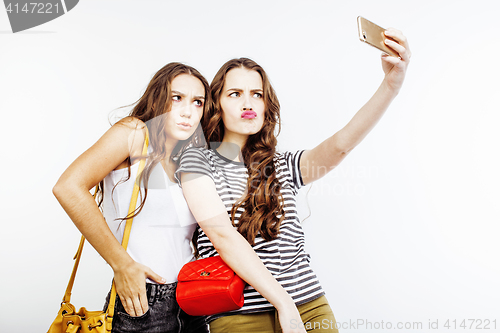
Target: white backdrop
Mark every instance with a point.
(405, 230)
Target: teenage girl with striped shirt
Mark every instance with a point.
(244, 180)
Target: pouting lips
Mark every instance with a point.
(249, 114)
(184, 125)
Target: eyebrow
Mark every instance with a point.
(239, 90)
(184, 95)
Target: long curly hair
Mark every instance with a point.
(263, 204)
(151, 109)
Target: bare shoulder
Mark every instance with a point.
(112, 151)
(132, 126)
(136, 133)
(131, 123)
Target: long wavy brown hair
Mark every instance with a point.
(151, 108)
(263, 204)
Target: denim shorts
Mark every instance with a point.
(163, 315)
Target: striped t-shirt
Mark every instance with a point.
(285, 256)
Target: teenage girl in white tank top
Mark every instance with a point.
(160, 241)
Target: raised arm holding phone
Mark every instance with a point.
(256, 188)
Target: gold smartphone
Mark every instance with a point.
(373, 35)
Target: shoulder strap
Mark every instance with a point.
(67, 294)
(128, 226)
(126, 235)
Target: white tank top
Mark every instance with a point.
(161, 233)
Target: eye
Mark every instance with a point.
(234, 94)
(198, 103)
(257, 95)
(176, 98)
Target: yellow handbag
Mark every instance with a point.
(83, 321)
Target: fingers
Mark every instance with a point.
(128, 305)
(155, 277)
(391, 60)
(143, 298)
(399, 43)
(403, 53)
(140, 304)
(136, 306)
(397, 36)
(131, 287)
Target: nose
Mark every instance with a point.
(186, 110)
(247, 104)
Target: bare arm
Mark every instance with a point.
(210, 212)
(72, 192)
(333, 150)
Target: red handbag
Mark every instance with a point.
(208, 286)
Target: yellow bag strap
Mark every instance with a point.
(126, 235)
(128, 226)
(67, 295)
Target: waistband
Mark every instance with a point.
(157, 292)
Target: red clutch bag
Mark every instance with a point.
(208, 286)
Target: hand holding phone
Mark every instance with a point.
(373, 35)
(394, 44)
